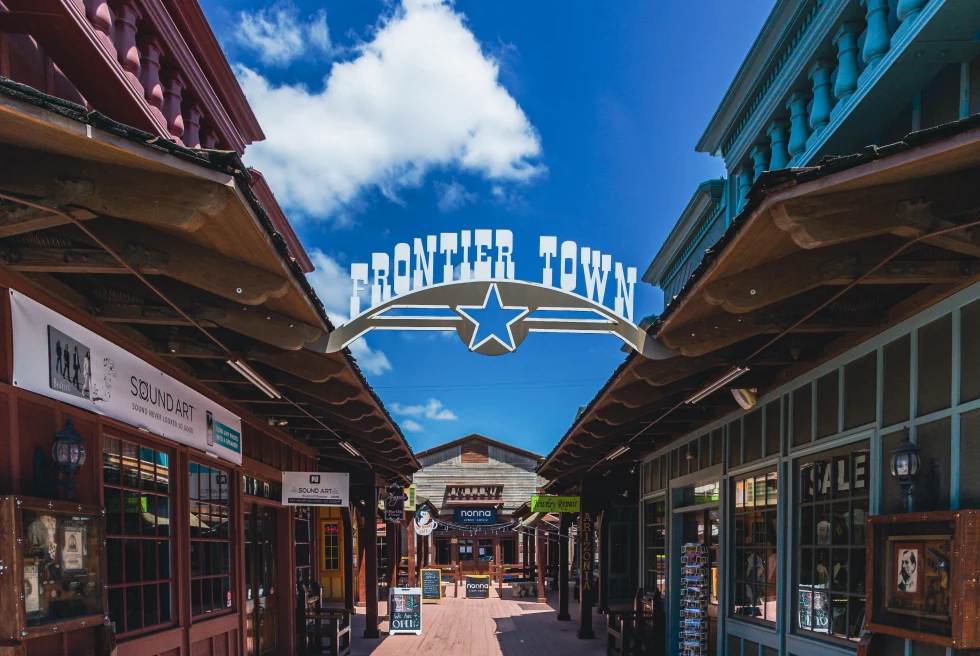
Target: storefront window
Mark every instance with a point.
(754, 552)
(832, 492)
(444, 551)
(654, 546)
(210, 533)
(138, 538)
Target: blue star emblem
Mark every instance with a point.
(497, 320)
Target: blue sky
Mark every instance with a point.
(389, 120)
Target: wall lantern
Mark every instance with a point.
(68, 452)
(905, 463)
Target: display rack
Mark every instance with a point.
(694, 600)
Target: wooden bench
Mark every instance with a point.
(637, 631)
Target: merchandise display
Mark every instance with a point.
(694, 600)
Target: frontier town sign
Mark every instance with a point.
(443, 283)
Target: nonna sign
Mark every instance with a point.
(475, 516)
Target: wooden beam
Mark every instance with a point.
(178, 202)
(307, 364)
(839, 264)
(154, 315)
(333, 392)
(720, 330)
(665, 372)
(156, 252)
(63, 192)
(256, 322)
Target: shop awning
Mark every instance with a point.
(819, 260)
(170, 250)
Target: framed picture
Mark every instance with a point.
(73, 547)
(908, 563)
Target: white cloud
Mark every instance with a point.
(453, 196)
(278, 36)
(412, 426)
(418, 94)
(431, 410)
(332, 285)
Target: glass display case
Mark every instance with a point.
(51, 567)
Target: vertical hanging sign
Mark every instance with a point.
(394, 509)
(587, 554)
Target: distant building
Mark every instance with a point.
(474, 485)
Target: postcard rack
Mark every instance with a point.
(694, 600)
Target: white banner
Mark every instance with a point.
(315, 489)
(57, 358)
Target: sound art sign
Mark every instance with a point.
(577, 290)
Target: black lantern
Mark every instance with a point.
(905, 463)
(68, 452)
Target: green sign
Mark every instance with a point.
(556, 504)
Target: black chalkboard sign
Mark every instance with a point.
(405, 611)
(431, 586)
(477, 587)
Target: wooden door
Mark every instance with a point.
(262, 621)
(331, 558)
(466, 555)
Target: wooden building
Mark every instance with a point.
(131, 231)
(474, 485)
(822, 300)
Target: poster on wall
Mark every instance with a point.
(316, 489)
(58, 358)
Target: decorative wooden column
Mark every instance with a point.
(349, 527)
(779, 158)
(908, 12)
(410, 538)
(877, 39)
(542, 593)
(760, 160)
(586, 585)
(173, 94)
(564, 525)
(125, 37)
(369, 537)
(847, 64)
(150, 53)
(823, 97)
(743, 185)
(799, 130)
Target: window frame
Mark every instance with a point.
(832, 455)
(660, 568)
(232, 538)
(736, 551)
(333, 544)
(141, 442)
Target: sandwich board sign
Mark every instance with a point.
(449, 282)
(405, 611)
(477, 586)
(431, 586)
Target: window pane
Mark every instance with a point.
(935, 365)
(753, 436)
(754, 553)
(773, 424)
(716, 447)
(802, 416)
(969, 457)
(970, 352)
(735, 443)
(860, 389)
(827, 404)
(896, 381)
(932, 490)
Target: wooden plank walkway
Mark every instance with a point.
(491, 627)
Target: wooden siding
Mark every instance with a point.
(501, 467)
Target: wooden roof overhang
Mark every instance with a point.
(170, 251)
(820, 260)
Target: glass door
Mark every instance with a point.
(262, 625)
(484, 554)
(466, 554)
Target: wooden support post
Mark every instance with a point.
(586, 586)
(564, 524)
(542, 593)
(603, 531)
(391, 549)
(349, 527)
(369, 538)
(361, 559)
(410, 538)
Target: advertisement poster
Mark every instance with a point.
(72, 555)
(406, 611)
(58, 358)
(315, 489)
(32, 589)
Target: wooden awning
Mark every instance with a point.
(169, 249)
(820, 260)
